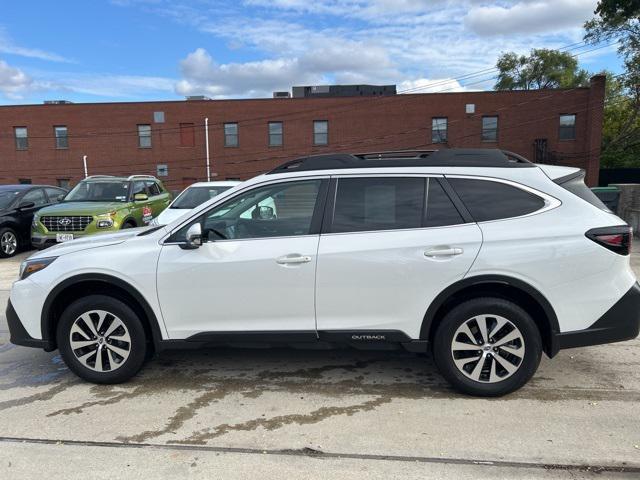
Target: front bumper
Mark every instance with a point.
(621, 322)
(19, 335)
(40, 240)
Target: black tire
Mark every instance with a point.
(444, 356)
(10, 233)
(137, 345)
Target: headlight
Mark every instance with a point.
(29, 267)
(104, 223)
(34, 223)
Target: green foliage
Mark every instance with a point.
(543, 68)
(620, 21)
(610, 9)
(620, 140)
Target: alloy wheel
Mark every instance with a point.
(9, 243)
(100, 341)
(487, 348)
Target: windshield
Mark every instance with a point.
(107, 191)
(7, 197)
(194, 196)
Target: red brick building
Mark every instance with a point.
(46, 143)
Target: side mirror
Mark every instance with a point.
(265, 213)
(140, 197)
(60, 197)
(26, 205)
(193, 238)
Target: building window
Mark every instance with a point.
(64, 183)
(320, 132)
(275, 134)
(158, 117)
(24, 181)
(22, 138)
(187, 135)
(439, 130)
(567, 127)
(60, 132)
(230, 134)
(489, 129)
(144, 136)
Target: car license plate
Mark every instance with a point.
(64, 237)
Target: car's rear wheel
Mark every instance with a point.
(101, 339)
(9, 243)
(487, 347)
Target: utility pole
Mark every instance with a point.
(84, 161)
(206, 142)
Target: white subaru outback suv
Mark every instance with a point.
(481, 257)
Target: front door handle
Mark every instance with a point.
(293, 259)
(444, 252)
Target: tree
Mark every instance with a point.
(620, 141)
(543, 68)
(619, 20)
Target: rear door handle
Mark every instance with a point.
(444, 252)
(293, 259)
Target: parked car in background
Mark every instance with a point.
(190, 198)
(18, 203)
(100, 203)
(479, 256)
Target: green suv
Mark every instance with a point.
(100, 203)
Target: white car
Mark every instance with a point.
(479, 256)
(190, 198)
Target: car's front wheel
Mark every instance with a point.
(9, 243)
(487, 347)
(101, 339)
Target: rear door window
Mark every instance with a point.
(489, 200)
(36, 196)
(55, 194)
(378, 203)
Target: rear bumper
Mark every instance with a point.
(19, 335)
(621, 322)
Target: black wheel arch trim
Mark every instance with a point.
(460, 285)
(45, 317)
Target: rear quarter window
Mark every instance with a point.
(576, 185)
(489, 200)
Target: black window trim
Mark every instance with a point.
(316, 218)
(550, 202)
(327, 223)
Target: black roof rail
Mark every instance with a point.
(449, 157)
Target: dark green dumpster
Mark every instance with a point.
(610, 196)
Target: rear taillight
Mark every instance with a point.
(617, 239)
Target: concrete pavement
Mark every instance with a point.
(316, 414)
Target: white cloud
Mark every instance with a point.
(202, 75)
(426, 85)
(7, 46)
(529, 16)
(13, 81)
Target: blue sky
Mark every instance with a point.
(124, 50)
